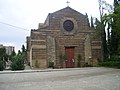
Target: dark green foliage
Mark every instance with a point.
(87, 20)
(79, 60)
(24, 53)
(104, 45)
(3, 54)
(23, 48)
(97, 28)
(2, 51)
(17, 62)
(12, 55)
(51, 64)
(19, 52)
(62, 57)
(115, 58)
(115, 4)
(19, 59)
(111, 46)
(100, 29)
(92, 24)
(3, 58)
(2, 65)
(112, 64)
(115, 33)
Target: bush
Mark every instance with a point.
(2, 65)
(79, 60)
(51, 64)
(115, 58)
(113, 64)
(17, 63)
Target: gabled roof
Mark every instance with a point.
(67, 10)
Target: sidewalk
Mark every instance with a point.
(40, 70)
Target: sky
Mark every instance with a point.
(26, 14)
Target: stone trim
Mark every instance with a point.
(71, 45)
(96, 47)
(74, 29)
(37, 40)
(39, 46)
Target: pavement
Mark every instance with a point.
(90, 78)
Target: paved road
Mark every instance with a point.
(71, 79)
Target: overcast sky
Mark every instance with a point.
(28, 13)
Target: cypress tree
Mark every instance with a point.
(115, 4)
(92, 25)
(87, 20)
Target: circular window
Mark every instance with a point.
(68, 25)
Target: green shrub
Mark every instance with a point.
(113, 64)
(62, 57)
(2, 65)
(17, 63)
(79, 60)
(115, 58)
(51, 64)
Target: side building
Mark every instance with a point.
(9, 49)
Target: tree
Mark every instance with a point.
(97, 27)
(3, 57)
(19, 52)
(113, 42)
(112, 23)
(12, 55)
(87, 20)
(100, 30)
(2, 66)
(2, 52)
(17, 62)
(24, 53)
(103, 5)
(92, 24)
(115, 5)
(23, 49)
(115, 33)
(19, 59)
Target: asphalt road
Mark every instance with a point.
(71, 79)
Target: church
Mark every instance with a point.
(64, 40)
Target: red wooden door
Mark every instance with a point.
(69, 57)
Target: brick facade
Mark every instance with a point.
(51, 39)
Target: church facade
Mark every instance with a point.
(63, 40)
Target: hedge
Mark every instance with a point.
(113, 64)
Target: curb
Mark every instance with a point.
(44, 70)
